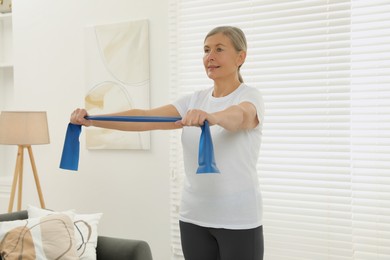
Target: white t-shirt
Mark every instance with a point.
(231, 199)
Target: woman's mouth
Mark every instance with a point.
(213, 67)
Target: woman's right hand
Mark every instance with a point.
(78, 117)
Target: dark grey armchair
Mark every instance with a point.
(108, 248)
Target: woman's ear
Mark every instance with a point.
(241, 58)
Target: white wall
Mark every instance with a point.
(131, 188)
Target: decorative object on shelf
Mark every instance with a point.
(23, 128)
(5, 6)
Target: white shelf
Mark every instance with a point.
(6, 59)
(4, 16)
(6, 66)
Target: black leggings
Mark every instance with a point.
(202, 243)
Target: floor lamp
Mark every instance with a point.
(23, 128)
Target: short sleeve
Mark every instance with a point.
(182, 104)
(254, 96)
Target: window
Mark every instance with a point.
(323, 67)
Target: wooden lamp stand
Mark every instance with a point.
(18, 178)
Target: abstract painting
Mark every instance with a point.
(117, 79)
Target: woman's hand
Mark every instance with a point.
(234, 118)
(196, 117)
(78, 117)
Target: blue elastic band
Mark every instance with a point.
(206, 160)
(71, 149)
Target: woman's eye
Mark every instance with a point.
(219, 49)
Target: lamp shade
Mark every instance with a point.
(24, 127)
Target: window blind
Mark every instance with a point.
(370, 128)
(324, 166)
(304, 163)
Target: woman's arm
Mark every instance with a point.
(234, 118)
(78, 117)
(238, 117)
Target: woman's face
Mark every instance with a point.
(220, 59)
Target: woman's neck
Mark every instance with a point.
(222, 89)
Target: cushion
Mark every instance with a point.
(46, 238)
(85, 230)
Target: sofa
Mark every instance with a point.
(108, 248)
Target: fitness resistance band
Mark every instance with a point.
(71, 150)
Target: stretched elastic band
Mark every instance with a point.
(71, 149)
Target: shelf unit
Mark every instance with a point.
(6, 59)
(6, 94)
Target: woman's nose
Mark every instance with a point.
(210, 55)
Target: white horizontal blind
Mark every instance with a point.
(370, 128)
(301, 64)
(325, 190)
(176, 158)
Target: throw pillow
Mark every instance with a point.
(45, 238)
(85, 230)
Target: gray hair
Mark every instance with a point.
(236, 36)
